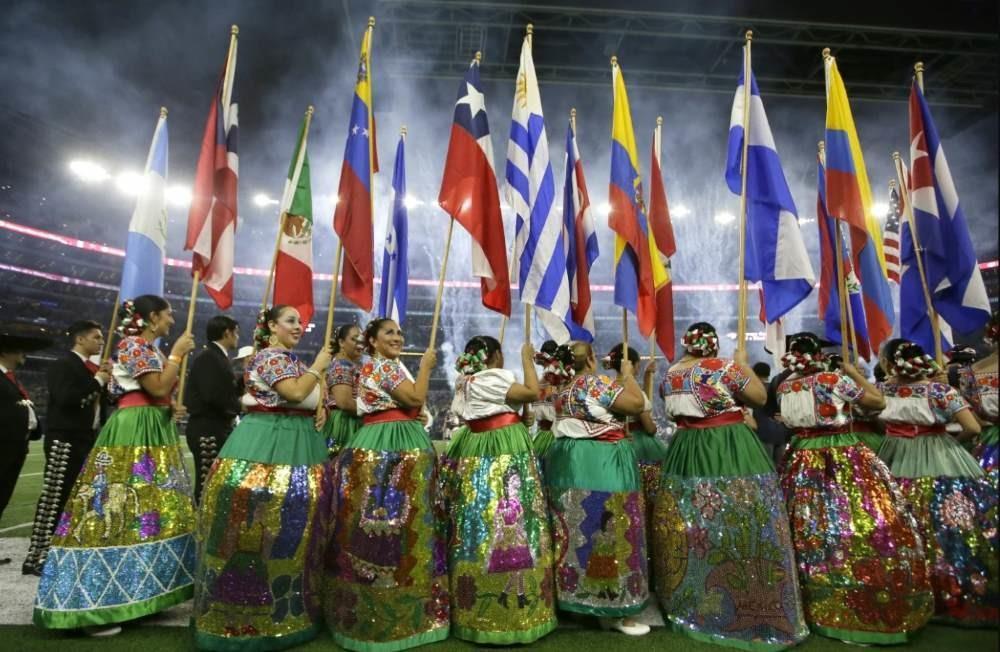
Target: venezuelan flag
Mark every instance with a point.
(849, 198)
(639, 271)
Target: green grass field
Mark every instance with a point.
(575, 636)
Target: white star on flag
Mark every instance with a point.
(475, 100)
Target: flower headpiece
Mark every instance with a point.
(261, 333)
(132, 322)
(701, 343)
(468, 364)
(804, 363)
(914, 366)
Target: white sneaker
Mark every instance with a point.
(99, 631)
(631, 628)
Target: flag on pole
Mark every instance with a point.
(142, 272)
(829, 288)
(663, 232)
(775, 252)
(395, 269)
(352, 219)
(890, 234)
(469, 191)
(581, 237)
(849, 198)
(639, 272)
(540, 241)
(953, 276)
(211, 227)
(293, 269)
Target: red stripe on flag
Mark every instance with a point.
(352, 221)
(293, 285)
(665, 320)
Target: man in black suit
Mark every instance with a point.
(18, 421)
(75, 413)
(212, 398)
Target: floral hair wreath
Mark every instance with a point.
(554, 372)
(803, 363)
(920, 366)
(471, 363)
(261, 333)
(132, 323)
(700, 342)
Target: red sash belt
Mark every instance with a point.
(493, 422)
(142, 399)
(395, 414)
(910, 431)
(724, 419)
(822, 431)
(611, 436)
(544, 424)
(295, 412)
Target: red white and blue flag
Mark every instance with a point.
(211, 227)
(581, 238)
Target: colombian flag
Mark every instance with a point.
(849, 198)
(639, 271)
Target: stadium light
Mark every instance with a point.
(604, 209)
(130, 183)
(89, 171)
(411, 202)
(680, 211)
(179, 196)
(261, 199)
(724, 218)
(880, 209)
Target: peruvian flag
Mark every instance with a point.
(211, 228)
(469, 191)
(293, 268)
(663, 234)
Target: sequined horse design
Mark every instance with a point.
(107, 503)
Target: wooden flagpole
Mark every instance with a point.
(440, 290)
(849, 310)
(657, 135)
(838, 247)
(741, 326)
(195, 278)
(111, 328)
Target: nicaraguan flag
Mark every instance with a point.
(147, 232)
(395, 270)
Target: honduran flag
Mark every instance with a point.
(775, 252)
(395, 268)
(953, 276)
(849, 198)
(352, 219)
(142, 272)
(540, 238)
(293, 268)
(211, 227)
(663, 231)
(639, 272)
(581, 238)
(469, 191)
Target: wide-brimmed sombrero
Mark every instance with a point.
(23, 338)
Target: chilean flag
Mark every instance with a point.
(469, 191)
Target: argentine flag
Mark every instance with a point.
(147, 232)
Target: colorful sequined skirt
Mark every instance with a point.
(339, 428)
(500, 545)
(262, 535)
(861, 564)
(123, 547)
(723, 559)
(650, 453)
(985, 451)
(598, 529)
(955, 506)
(386, 567)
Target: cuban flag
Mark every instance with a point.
(142, 272)
(540, 242)
(395, 270)
(581, 237)
(958, 293)
(469, 191)
(775, 252)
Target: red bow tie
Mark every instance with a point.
(91, 367)
(20, 387)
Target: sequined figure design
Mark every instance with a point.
(386, 585)
(264, 522)
(650, 453)
(123, 547)
(953, 501)
(861, 564)
(723, 558)
(980, 389)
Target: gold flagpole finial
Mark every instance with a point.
(479, 56)
(918, 67)
(530, 29)
(572, 113)
(826, 53)
(821, 146)
(310, 109)
(749, 35)
(163, 112)
(234, 30)
(892, 184)
(614, 60)
(896, 156)
(659, 121)
(371, 21)
(402, 130)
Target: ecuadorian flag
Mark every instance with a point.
(639, 271)
(849, 198)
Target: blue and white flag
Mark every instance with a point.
(775, 253)
(540, 243)
(142, 272)
(395, 269)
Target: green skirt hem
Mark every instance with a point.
(146, 425)
(391, 436)
(855, 636)
(648, 449)
(53, 619)
(433, 636)
(825, 441)
(504, 638)
(508, 440)
(723, 451)
(989, 436)
(872, 440)
(214, 643)
(592, 465)
(735, 643)
(276, 439)
(339, 428)
(601, 612)
(929, 456)
(542, 442)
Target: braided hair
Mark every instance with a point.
(805, 354)
(554, 370)
(262, 330)
(613, 360)
(341, 334)
(134, 314)
(477, 353)
(908, 360)
(701, 340)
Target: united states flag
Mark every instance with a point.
(890, 235)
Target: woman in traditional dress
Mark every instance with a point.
(387, 585)
(263, 527)
(500, 548)
(342, 387)
(123, 547)
(543, 412)
(954, 503)
(862, 568)
(595, 495)
(979, 383)
(864, 422)
(725, 569)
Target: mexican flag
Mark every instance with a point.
(293, 268)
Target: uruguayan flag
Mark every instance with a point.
(147, 232)
(775, 253)
(540, 244)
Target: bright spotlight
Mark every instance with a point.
(604, 208)
(179, 196)
(680, 211)
(89, 171)
(724, 218)
(880, 209)
(130, 183)
(411, 202)
(261, 199)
